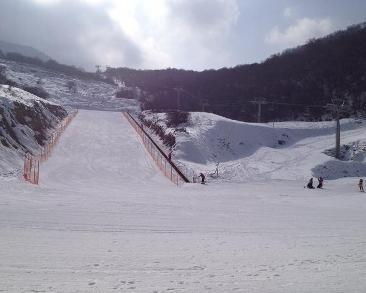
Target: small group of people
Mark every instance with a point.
(320, 183)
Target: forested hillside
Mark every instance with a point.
(295, 84)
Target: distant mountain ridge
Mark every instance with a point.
(296, 84)
(28, 51)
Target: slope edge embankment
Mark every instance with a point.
(165, 164)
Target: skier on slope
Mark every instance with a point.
(320, 184)
(310, 183)
(202, 178)
(170, 156)
(360, 185)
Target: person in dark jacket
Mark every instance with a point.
(202, 178)
(310, 183)
(360, 185)
(320, 184)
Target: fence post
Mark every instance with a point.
(25, 167)
(37, 173)
(34, 173)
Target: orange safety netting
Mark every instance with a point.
(168, 168)
(32, 162)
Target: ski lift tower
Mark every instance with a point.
(259, 102)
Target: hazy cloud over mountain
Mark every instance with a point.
(70, 31)
(195, 34)
(298, 33)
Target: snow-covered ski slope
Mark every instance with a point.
(105, 220)
(102, 151)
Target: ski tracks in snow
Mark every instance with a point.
(105, 220)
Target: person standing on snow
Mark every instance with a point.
(202, 178)
(360, 185)
(310, 183)
(320, 184)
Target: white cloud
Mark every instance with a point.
(199, 31)
(211, 16)
(288, 12)
(178, 32)
(137, 33)
(300, 32)
(73, 32)
(46, 2)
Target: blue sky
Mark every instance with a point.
(190, 34)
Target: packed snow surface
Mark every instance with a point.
(105, 220)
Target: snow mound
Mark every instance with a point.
(257, 151)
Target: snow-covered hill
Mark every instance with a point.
(68, 90)
(250, 151)
(25, 122)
